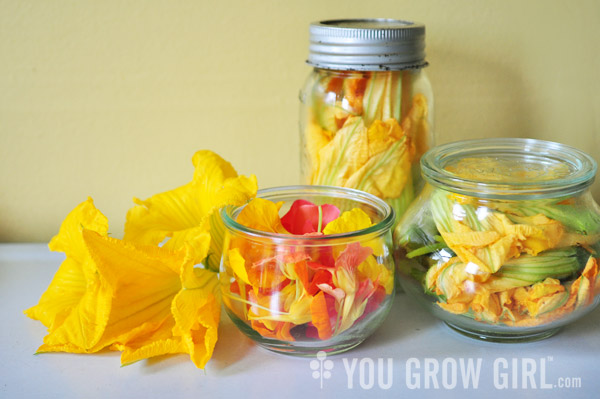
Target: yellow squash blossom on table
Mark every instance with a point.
(142, 300)
(135, 295)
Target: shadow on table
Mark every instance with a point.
(408, 320)
(232, 346)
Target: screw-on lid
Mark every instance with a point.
(367, 44)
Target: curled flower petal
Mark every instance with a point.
(353, 220)
(172, 214)
(238, 264)
(149, 340)
(304, 217)
(76, 305)
(69, 240)
(337, 293)
(320, 316)
(144, 280)
(261, 214)
(196, 313)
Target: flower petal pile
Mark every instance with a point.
(522, 263)
(367, 131)
(136, 295)
(312, 290)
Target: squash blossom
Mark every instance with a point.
(521, 263)
(137, 296)
(369, 137)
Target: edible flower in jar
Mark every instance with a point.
(305, 291)
(520, 264)
(367, 131)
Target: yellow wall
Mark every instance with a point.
(111, 98)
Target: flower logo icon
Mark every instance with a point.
(321, 367)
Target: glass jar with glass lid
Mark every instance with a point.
(503, 244)
(367, 108)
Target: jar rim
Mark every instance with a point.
(525, 157)
(228, 213)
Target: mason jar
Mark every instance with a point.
(366, 113)
(504, 241)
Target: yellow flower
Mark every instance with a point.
(161, 303)
(183, 214)
(143, 300)
(493, 238)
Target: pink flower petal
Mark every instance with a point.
(303, 217)
(352, 256)
(337, 293)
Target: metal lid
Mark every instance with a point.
(367, 44)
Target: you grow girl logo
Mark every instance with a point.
(321, 367)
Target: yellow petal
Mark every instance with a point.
(76, 305)
(353, 220)
(499, 239)
(486, 306)
(85, 323)
(261, 214)
(149, 340)
(378, 272)
(144, 280)
(316, 139)
(185, 321)
(197, 313)
(171, 213)
(68, 239)
(537, 233)
(62, 295)
(344, 154)
(416, 127)
(238, 265)
(197, 240)
(385, 174)
(211, 170)
(382, 134)
(158, 217)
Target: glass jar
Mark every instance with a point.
(366, 112)
(503, 243)
(326, 290)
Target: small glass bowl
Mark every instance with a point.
(503, 243)
(301, 294)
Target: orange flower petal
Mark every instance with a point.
(320, 316)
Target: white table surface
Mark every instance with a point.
(410, 346)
